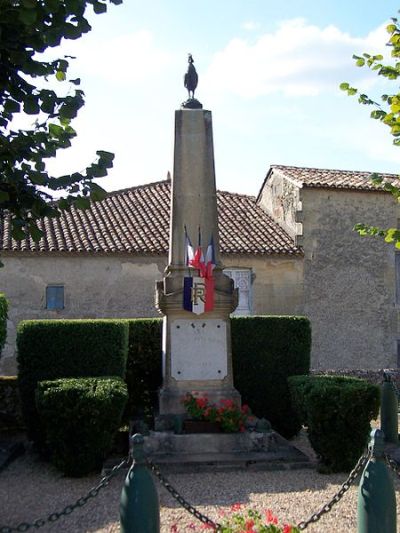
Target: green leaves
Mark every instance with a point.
(27, 27)
(31, 105)
(60, 75)
(27, 16)
(346, 87)
(99, 7)
(387, 112)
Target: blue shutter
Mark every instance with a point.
(55, 297)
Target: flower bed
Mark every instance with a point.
(241, 520)
(230, 417)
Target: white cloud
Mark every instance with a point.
(296, 59)
(131, 58)
(250, 25)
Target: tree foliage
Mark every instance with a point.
(27, 29)
(387, 111)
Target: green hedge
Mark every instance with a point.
(52, 349)
(266, 350)
(80, 417)
(3, 320)
(10, 405)
(143, 368)
(337, 412)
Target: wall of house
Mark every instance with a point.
(281, 199)
(123, 286)
(94, 287)
(349, 281)
(277, 282)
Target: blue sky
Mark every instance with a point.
(269, 71)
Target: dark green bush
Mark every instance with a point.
(144, 368)
(52, 349)
(265, 351)
(3, 320)
(80, 417)
(337, 412)
(10, 405)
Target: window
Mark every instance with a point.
(242, 280)
(55, 297)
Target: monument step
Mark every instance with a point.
(223, 451)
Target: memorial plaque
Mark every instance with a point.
(198, 349)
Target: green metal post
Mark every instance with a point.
(389, 411)
(139, 507)
(376, 511)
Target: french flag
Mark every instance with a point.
(198, 291)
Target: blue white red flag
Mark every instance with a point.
(198, 293)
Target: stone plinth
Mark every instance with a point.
(226, 451)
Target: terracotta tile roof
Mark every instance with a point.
(136, 220)
(330, 179)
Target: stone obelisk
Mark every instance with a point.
(195, 297)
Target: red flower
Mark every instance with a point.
(287, 529)
(249, 526)
(174, 528)
(270, 517)
(236, 507)
(202, 402)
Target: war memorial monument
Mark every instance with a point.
(196, 299)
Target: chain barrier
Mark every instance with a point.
(302, 525)
(93, 492)
(339, 495)
(80, 502)
(184, 503)
(392, 464)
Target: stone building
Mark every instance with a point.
(291, 250)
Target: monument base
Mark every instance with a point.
(223, 451)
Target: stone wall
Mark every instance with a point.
(105, 286)
(277, 287)
(94, 287)
(280, 198)
(349, 281)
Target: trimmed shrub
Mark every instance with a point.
(337, 412)
(80, 417)
(10, 405)
(52, 349)
(3, 320)
(144, 367)
(265, 351)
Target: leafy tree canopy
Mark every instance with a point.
(27, 29)
(387, 111)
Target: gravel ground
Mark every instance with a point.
(31, 489)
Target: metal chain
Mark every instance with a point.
(185, 504)
(339, 495)
(80, 502)
(393, 464)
